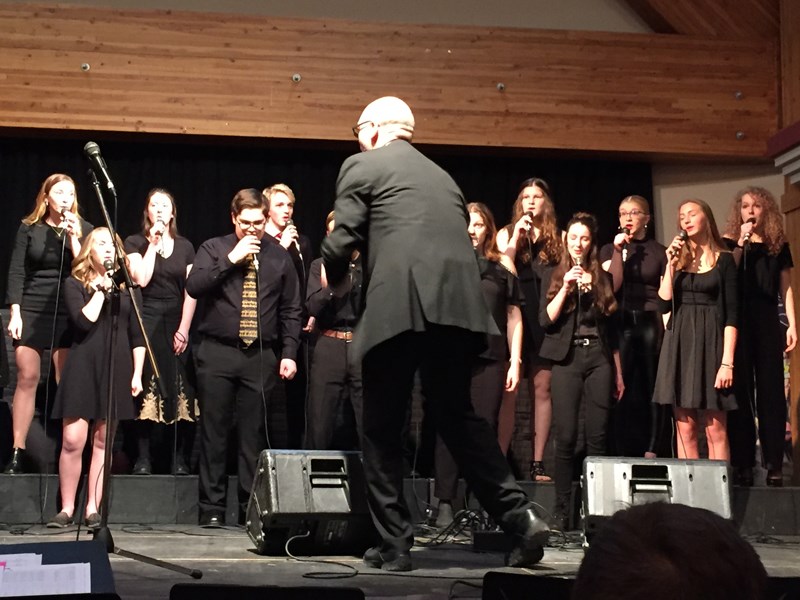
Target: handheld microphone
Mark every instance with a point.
(626, 230)
(683, 235)
(289, 223)
(749, 233)
(108, 265)
(92, 152)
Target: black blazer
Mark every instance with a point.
(558, 334)
(409, 220)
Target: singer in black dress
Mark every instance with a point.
(754, 233)
(695, 370)
(497, 369)
(636, 262)
(160, 263)
(47, 240)
(82, 396)
(577, 311)
(532, 241)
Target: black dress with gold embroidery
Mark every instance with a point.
(161, 313)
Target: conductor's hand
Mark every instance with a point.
(136, 385)
(287, 369)
(246, 246)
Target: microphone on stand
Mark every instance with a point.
(92, 152)
(749, 233)
(683, 235)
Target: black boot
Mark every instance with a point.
(532, 535)
(17, 464)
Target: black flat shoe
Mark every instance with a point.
(18, 463)
(93, 521)
(142, 467)
(212, 520)
(180, 468)
(60, 521)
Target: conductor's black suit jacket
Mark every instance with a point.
(409, 219)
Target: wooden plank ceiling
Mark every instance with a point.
(716, 18)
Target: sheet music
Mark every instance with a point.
(24, 575)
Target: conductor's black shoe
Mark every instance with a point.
(529, 547)
(401, 561)
(17, 464)
(142, 467)
(212, 520)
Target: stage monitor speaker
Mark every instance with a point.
(316, 499)
(612, 483)
(498, 585)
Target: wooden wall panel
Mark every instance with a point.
(211, 74)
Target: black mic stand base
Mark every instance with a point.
(103, 535)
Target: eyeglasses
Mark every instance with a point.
(631, 213)
(359, 126)
(251, 224)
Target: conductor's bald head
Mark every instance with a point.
(384, 120)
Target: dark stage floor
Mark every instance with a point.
(225, 556)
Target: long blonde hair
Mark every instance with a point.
(771, 219)
(82, 268)
(40, 206)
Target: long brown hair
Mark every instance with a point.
(771, 219)
(488, 247)
(147, 223)
(40, 206)
(82, 268)
(714, 239)
(604, 299)
(551, 248)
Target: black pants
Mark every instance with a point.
(232, 386)
(486, 391)
(334, 397)
(758, 384)
(639, 425)
(580, 386)
(296, 390)
(443, 355)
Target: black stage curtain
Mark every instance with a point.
(204, 174)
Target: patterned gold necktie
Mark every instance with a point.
(248, 320)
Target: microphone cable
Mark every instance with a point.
(260, 341)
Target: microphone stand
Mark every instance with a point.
(103, 534)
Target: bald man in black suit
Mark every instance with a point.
(423, 310)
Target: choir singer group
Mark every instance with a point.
(628, 348)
